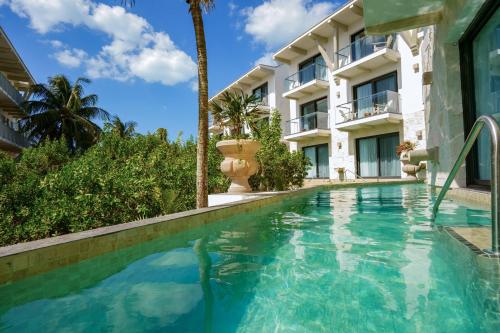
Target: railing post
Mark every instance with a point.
(495, 196)
(492, 123)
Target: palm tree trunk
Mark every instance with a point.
(202, 148)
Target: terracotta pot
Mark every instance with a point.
(239, 163)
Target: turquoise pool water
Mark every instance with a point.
(347, 260)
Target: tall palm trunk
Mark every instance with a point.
(202, 148)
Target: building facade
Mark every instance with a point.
(461, 64)
(351, 98)
(264, 82)
(15, 80)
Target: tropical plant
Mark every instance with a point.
(279, 169)
(234, 110)
(59, 109)
(405, 146)
(196, 7)
(51, 191)
(123, 129)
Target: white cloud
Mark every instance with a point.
(135, 48)
(194, 85)
(71, 58)
(46, 15)
(276, 22)
(266, 59)
(56, 43)
(232, 8)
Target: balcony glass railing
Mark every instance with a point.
(9, 135)
(308, 122)
(8, 89)
(262, 101)
(360, 49)
(305, 75)
(380, 103)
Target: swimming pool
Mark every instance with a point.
(346, 260)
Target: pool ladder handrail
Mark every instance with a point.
(356, 175)
(492, 123)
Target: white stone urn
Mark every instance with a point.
(239, 163)
(408, 168)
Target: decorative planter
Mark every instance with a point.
(408, 168)
(341, 172)
(239, 163)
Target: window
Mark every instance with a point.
(318, 155)
(261, 93)
(308, 113)
(480, 70)
(376, 156)
(371, 94)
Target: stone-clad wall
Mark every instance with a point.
(443, 98)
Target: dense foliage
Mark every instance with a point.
(280, 169)
(51, 190)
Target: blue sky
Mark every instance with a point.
(142, 60)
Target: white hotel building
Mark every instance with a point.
(347, 99)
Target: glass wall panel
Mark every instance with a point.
(310, 152)
(390, 166)
(368, 160)
(319, 157)
(486, 52)
(323, 164)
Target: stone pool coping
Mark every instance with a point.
(22, 260)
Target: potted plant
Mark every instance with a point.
(405, 147)
(235, 111)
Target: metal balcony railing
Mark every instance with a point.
(361, 48)
(305, 75)
(308, 122)
(380, 103)
(7, 88)
(13, 137)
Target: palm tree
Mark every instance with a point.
(123, 129)
(196, 7)
(59, 110)
(236, 109)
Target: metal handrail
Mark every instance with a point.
(492, 123)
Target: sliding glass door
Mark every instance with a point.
(367, 157)
(480, 60)
(371, 95)
(311, 68)
(318, 155)
(377, 156)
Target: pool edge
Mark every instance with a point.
(23, 260)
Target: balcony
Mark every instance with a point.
(263, 104)
(307, 81)
(213, 128)
(10, 99)
(364, 55)
(309, 126)
(376, 110)
(11, 140)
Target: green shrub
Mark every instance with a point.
(279, 169)
(51, 192)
